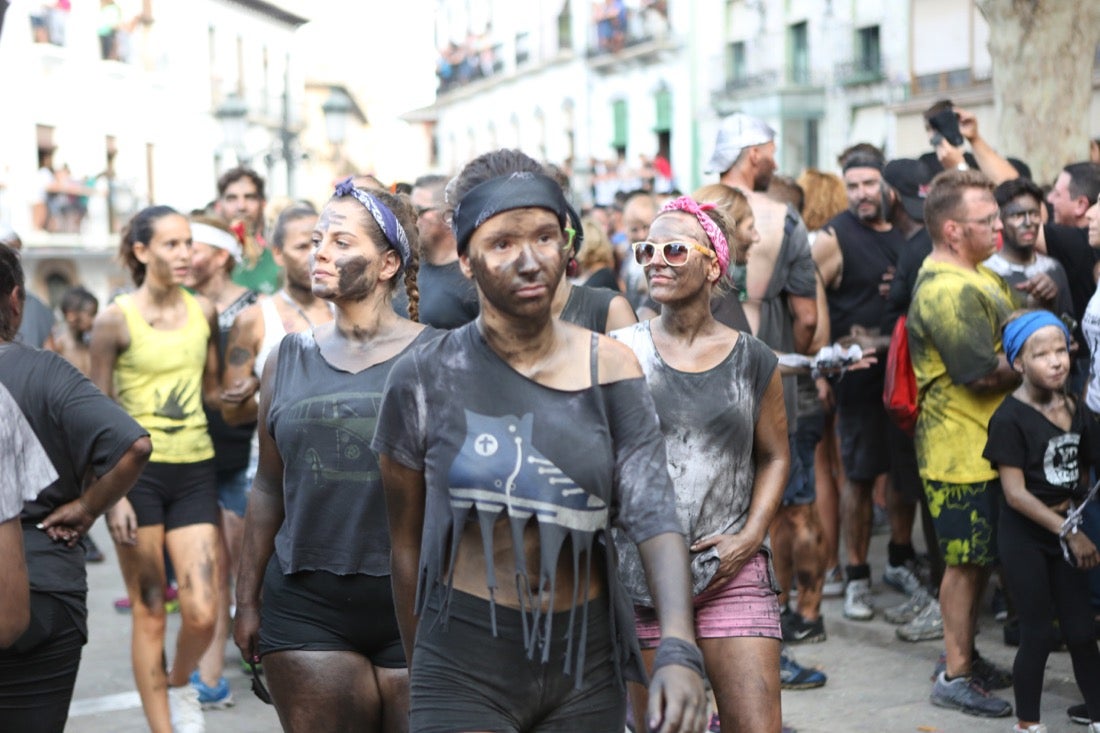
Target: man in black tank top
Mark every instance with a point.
(856, 252)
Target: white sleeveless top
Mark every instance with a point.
(274, 331)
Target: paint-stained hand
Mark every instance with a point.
(677, 701)
(734, 550)
(68, 522)
(122, 523)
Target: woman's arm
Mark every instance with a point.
(772, 456)
(211, 373)
(109, 333)
(239, 383)
(405, 496)
(262, 520)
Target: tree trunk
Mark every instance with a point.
(1042, 53)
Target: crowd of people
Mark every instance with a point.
(465, 458)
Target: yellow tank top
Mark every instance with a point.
(158, 380)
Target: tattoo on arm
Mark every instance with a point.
(238, 356)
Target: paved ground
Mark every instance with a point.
(876, 683)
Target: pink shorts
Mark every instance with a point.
(745, 605)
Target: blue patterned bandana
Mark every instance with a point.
(391, 228)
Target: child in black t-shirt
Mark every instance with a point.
(1034, 441)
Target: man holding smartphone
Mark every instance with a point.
(949, 129)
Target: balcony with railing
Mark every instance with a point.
(618, 33)
(859, 71)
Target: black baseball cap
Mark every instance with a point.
(910, 178)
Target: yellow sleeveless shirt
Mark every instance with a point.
(158, 380)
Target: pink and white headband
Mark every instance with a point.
(717, 239)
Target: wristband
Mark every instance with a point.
(677, 651)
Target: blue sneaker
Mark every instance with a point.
(212, 698)
(793, 676)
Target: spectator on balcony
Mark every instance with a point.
(610, 17)
(110, 20)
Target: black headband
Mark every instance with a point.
(862, 160)
(520, 190)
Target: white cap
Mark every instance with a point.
(735, 133)
(216, 237)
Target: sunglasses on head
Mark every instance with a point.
(674, 254)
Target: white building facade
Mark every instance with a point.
(132, 119)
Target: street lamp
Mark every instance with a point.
(232, 113)
(338, 109)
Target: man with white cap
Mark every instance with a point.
(215, 252)
(37, 327)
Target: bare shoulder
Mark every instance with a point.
(616, 361)
(207, 305)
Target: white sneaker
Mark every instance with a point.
(183, 704)
(1037, 728)
(833, 587)
(901, 578)
(858, 605)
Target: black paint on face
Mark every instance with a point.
(351, 277)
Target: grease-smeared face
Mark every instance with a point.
(346, 263)
(517, 259)
(297, 252)
(167, 256)
(1044, 360)
(668, 284)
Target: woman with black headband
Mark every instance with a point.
(508, 448)
(316, 541)
(719, 398)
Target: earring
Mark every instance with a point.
(572, 267)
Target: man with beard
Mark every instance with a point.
(1021, 205)
(856, 250)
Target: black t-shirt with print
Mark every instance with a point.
(1020, 436)
(490, 441)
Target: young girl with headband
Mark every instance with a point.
(1036, 443)
(719, 401)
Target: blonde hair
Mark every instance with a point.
(596, 249)
(732, 202)
(825, 197)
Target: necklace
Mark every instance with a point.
(291, 302)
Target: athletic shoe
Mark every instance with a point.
(1037, 728)
(901, 578)
(793, 676)
(989, 675)
(797, 630)
(858, 605)
(212, 698)
(186, 712)
(967, 696)
(925, 626)
(833, 587)
(1079, 714)
(908, 609)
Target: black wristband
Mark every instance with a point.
(672, 650)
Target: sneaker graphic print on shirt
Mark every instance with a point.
(500, 471)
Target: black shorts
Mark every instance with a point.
(176, 495)
(863, 428)
(38, 672)
(904, 472)
(465, 678)
(320, 611)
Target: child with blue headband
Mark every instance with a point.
(1036, 443)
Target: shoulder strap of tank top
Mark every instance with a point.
(594, 359)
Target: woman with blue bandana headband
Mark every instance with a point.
(316, 542)
(1036, 444)
(508, 448)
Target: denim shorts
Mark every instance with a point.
(233, 489)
